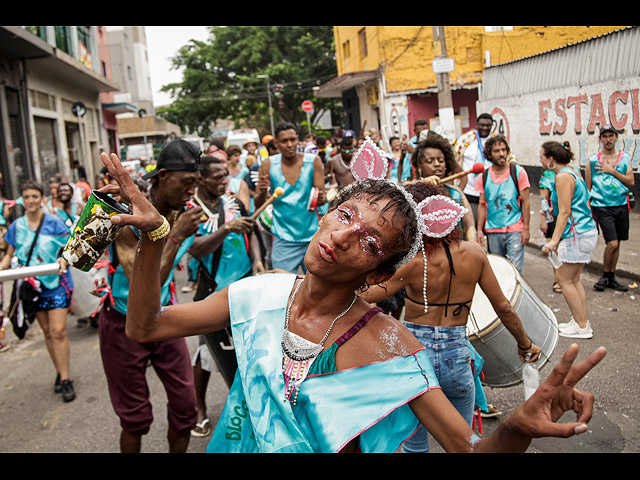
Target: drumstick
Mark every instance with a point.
(277, 192)
(478, 168)
(207, 212)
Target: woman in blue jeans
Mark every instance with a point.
(436, 312)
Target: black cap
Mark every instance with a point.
(608, 128)
(177, 156)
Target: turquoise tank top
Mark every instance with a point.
(503, 202)
(119, 284)
(235, 262)
(580, 220)
(607, 190)
(291, 219)
(51, 240)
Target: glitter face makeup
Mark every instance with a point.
(369, 242)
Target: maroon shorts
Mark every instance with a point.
(125, 364)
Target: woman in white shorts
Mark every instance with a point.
(575, 235)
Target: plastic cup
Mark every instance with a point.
(93, 232)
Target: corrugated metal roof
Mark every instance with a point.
(612, 56)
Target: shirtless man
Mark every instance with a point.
(337, 170)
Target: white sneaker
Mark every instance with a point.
(571, 329)
(570, 325)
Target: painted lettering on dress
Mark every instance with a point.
(234, 426)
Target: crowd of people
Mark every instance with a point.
(288, 243)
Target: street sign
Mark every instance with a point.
(307, 106)
(443, 65)
(78, 109)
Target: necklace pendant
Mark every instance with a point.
(294, 372)
(298, 354)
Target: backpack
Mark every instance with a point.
(512, 171)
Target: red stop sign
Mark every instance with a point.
(307, 106)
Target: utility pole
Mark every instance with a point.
(442, 65)
(269, 97)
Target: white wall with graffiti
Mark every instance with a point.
(572, 114)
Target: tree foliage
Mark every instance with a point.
(221, 77)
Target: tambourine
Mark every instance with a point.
(313, 199)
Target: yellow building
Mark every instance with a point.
(387, 75)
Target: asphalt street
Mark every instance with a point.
(35, 420)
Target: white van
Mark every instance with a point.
(139, 152)
(197, 141)
(241, 136)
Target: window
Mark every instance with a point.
(362, 36)
(346, 49)
(42, 100)
(63, 39)
(39, 31)
(84, 36)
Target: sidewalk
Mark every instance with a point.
(629, 261)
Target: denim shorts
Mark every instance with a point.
(578, 248)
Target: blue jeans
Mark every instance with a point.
(450, 356)
(508, 245)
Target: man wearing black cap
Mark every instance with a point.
(173, 183)
(609, 175)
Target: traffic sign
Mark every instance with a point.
(78, 109)
(307, 106)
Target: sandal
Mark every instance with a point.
(202, 429)
(556, 288)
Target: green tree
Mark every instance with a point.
(223, 78)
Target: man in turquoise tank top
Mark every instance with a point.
(503, 211)
(295, 213)
(609, 175)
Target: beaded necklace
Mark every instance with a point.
(298, 354)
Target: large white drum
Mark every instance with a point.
(503, 367)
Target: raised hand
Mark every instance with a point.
(144, 215)
(538, 416)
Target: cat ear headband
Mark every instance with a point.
(437, 215)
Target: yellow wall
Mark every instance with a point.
(405, 53)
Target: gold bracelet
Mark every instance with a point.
(160, 232)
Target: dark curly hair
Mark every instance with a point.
(488, 146)
(404, 216)
(434, 140)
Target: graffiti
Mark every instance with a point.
(620, 110)
(500, 123)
